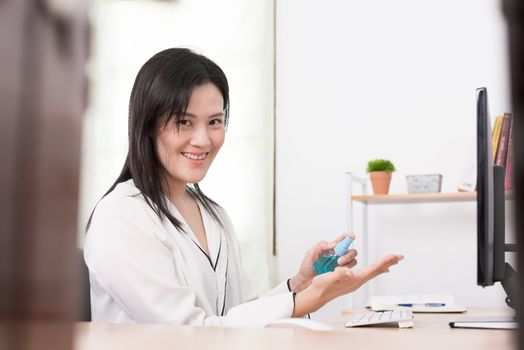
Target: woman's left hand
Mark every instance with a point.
(306, 273)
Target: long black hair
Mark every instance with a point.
(163, 87)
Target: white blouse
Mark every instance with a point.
(143, 270)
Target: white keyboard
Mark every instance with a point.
(404, 318)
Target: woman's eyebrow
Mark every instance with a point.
(219, 114)
(214, 115)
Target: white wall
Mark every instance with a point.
(358, 80)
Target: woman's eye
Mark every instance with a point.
(184, 122)
(215, 122)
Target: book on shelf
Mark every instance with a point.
(502, 148)
(509, 160)
(496, 133)
(508, 181)
(502, 154)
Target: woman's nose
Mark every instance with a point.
(200, 137)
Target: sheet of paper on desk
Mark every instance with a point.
(433, 303)
(411, 299)
(421, 308)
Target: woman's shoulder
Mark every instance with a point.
(125, 200)
(126, 189)
(123, 214)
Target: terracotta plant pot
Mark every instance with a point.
(380, 181)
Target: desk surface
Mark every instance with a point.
(431, 331)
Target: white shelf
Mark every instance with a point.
(421, 197)
(417, 198)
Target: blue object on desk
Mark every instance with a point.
(426, 304)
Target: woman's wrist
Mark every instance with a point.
(307, 301)
(297, 284)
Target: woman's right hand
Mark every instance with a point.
(343, 280)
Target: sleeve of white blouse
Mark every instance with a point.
(136, 269)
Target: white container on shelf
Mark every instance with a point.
(428, 183)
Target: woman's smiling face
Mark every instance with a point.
(186, 149)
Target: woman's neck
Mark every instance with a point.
(175, 190)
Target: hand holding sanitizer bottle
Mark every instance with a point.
(328, 261)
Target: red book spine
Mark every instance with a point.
(502, 149)
(508, 183)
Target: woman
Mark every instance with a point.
(160, 251)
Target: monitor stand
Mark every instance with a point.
(509, 283)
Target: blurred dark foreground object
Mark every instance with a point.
(514, 13)
(43, 50)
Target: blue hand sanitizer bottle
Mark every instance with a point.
(328, 261)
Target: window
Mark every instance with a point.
(238, 36)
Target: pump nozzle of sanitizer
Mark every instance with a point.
(329, 261)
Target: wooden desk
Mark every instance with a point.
(431, 331)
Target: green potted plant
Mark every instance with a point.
(380, 174)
